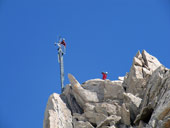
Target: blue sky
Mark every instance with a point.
(101, 35)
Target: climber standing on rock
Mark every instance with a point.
(104, 75)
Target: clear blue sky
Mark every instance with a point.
(101, 35)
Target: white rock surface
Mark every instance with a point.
(57, 115)
(143, 66)
(132, 103)
(95, 85)
(105, 89)
(121, 78)
(82, 95)
(151, 62)
(113, 90)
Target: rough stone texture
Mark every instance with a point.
(105, 89)
(132, 103)
(151, 62)
(125, 115)
(95, 85)
(98, 112)
(94, 117)
(140, 99)
(108, 109)
(109, 121)
(155, 108)
(79, 117)
(82, 95)
(89, 107)
(70, 100)
(57, 115)
(82, 124)
(143, 66)
(113, 90)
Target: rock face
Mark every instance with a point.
(155, 108)
(57, 115)
(69, 99)
(132, 103)
(141, 99)
(140, 72)
(105, 89)
(82, 95)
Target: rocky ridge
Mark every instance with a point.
(141, 99)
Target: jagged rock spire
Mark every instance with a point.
(141, 99)
(143, 66)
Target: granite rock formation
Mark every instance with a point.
(140, 99)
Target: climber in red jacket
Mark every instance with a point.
(63, 42)
(104, 75)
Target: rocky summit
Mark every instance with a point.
(140, 99)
